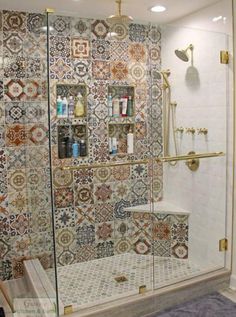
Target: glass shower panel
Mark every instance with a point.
(102, 167)
(186, 235)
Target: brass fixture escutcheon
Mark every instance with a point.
(193, 164)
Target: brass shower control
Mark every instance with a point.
(202, 131)
(193, 164)
(190, 130)
(180, 129)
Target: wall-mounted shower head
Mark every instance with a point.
(119, 18)
(183, 54)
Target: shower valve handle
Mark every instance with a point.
(190, 130)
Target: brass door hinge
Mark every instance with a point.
(224, 57)
(223, 245)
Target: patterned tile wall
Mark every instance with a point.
(25, 203)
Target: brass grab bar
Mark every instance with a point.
(160, 159)
(189, 157)
(85, 166)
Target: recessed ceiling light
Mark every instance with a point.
(158, 8)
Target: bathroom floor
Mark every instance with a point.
(90, 283)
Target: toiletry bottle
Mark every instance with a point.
(110, 145)
(124, 106)
(79, 106)
(116, 107)
(59, 107)
(109, 103)
(71, 107)
(62, 149)
(130, 142)
(64, 108)
(130, 107)
(69, 144)
(83, 151)
(75, 149)
(114, 146)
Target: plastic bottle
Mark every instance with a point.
(59, 107)
(130, 142)
(71, 107)
(110, 108)
(114, 146)
(116, 108)
(64, 108)
(130, 107)
(83, 151)
(75, 149)
(69, 144)
(124, 106)
(110, 145)
(62, 149)
(79, 106)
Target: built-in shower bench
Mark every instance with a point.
(161, 229)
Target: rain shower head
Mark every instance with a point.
(119, 18)
(183, 54)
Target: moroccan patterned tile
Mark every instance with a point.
(99, 90)
(139, 171)
(101, 50)
(63, 197)
(59, 46)
(5, 247)
(86, 253)
(123, 228)
(104, 231)
(100, 152)
(20, 245)
(3, 160)
(16, 158)
(12, 44)
(60, 68)
(4, 226)
(67, 257)
(162, 248)
(102, 175)
(5, 270)
(14, 90)
(119, 212)
(16, 180)
(142, 245)
(46, 259)
(137, 72)
(14, 21)
(35, 45)
(85, 234)
(37, 134)
(83, 194)
(99, 29)
(41, 242)
(121, 173)
(141, 130)
(105, 249)
(61, 25)
(14, 112)
(155, 55)
(34, 68)
(38, 178)
(122, 191)
(80, 48)
(120, 30)
(161, 230)
(64, 218)
(62, 178)
(4, 204)
(119, 70)
(103, 212)
(2, 113)
(85, 214)
(119, 51)
(2, 135)
(0, 20)
(103, 192)
(84, 176)
(179, 250)
(123, 245)
(101, 111)
(142, 225)
(101, 70)
(137, 32)
(35, 112)
(137, 52)
(41, 221)
(179, 232)
(154, 34)
(35, 22)
(20, 224)
(140, 188)
(41, 200)
(81, 27)
(17, 202)
(65, 237)
(14, 67)
(82, 69)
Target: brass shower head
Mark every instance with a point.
(183, 54)
(119, 18)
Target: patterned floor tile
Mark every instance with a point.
(41, 200)
(14, 112)
(162, 248)
(119, 212)
(38, 178)
(123, 228)
(84, 176)
(3, 181)
(35, 112)
(3, 160)
(5, 270)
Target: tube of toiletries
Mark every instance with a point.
(83, 151)
(124, 106)
(130, 107)
(75, 149)
(71, 107)
(64, 108)
(110, 107)
(114, 146)
(59, 107)
(116, 107)
(130, 142)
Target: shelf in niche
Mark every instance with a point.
(67, 90)
(120, 132)
(120, 92)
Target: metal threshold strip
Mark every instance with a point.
(158, 159)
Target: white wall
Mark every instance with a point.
(201, 92)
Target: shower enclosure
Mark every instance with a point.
(127, 184)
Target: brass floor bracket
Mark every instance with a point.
(193, 164)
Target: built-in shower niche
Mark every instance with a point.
(118, 94)
(120, 133)
(68, 135)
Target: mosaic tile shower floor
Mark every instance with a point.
(90, 283)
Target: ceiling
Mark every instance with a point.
(100, 9)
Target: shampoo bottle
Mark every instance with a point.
(59, 107)
(79, 106)
(71, 107)
(109, 103)
(114, 146)
(116, 107)
(64, 108)
(75, 149)
(130, 107)
(130, 142)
